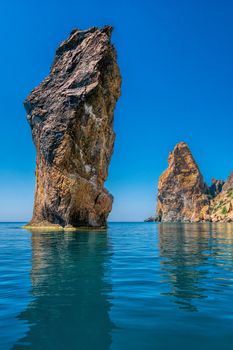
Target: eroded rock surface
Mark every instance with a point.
(182, 192)
(228, 185)
(216, 187)
(184, 196)
(71, 117)
(221, 206)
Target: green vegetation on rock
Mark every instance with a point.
(224, 210)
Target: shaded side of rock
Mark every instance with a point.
(216, 187)
(71, 117)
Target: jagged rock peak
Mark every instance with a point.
(181, 158)
(216, 187)
(77, 36)
(71, 117)
(229, 183)
(182, 192)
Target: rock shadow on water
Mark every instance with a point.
(69, 289)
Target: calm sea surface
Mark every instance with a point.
(140, 286)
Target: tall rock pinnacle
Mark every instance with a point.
(71, 117)
(182, 193)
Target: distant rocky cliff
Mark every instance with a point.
(221, 206)
(184, 196)
(71, 117)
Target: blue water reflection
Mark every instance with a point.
(138, 286)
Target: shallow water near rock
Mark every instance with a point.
(138, 286)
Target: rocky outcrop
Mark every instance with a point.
(152, 219)
(221, 206)
(183, 195)
(71, 117)
(182, 192)
(216, 187)
(228, 185)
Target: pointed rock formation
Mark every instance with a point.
(182, 193)
(71, 117)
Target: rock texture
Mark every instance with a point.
(183, 195)
(71, 117)
(228, 185)
(216, 187)
(182, 192)
(221, 206)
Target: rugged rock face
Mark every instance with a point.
(228, 185)
(71, 117)
(221, 207)
(182, 193)
(216, 187)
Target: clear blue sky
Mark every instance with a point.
(176, 60)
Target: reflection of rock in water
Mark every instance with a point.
(221, 243)
(183, 247)
(70, 309)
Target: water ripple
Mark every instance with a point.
(138, 286)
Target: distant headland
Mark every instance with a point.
(183, 196)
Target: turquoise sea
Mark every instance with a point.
(139, 286)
